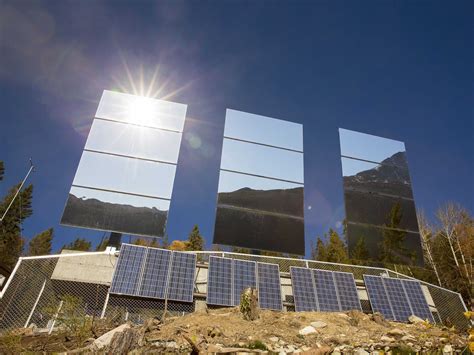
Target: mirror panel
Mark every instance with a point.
(369, 177)
(263, 161)
(372, 148)
(134, 141)
(117, 212)
(370, 240)
(238, 227)
(239, 190)
(264, 130)
(141, 111)
(380, 210)
(122, 174)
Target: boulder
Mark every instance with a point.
(318, 324)
(387, 339)
(273, 339)
(396, 332)
(105, 339)
(307, 330)
(415, 320)
(447, 349)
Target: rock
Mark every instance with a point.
(105, 339)
(428, 344)
(361, 352)
(281, 342)
(123, 342)
(443, 340)
(305, 348)
(318, 324)
(447, 349)
(249, 304)
(387, 339)
(379, 319)
(415, 320)
(343, 315)
(408, 337)
(396, 332)
(307, 330)
(273, 339)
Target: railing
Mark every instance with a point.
(41, 283)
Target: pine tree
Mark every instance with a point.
(321, 252)
(336, 249)
(11, 242)
(78, 244)
(165, 243)
(153, 243)
(2, 170)
(140, 241)
(41, 243)
(195, 240)
(392, 249)
(360, 252)
(240, 250)
(179, 245)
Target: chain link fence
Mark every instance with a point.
(41, 284)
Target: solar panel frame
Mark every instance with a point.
(347, 291)
(378, 297)
(243, 276)
(417, 299)
(304, 294)
(180, 285)
(154, 281)
(219, 281)
(326, 291)
(269, 286)
(398, 299)
(126, 278)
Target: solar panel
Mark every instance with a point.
(304, 294)
(417, 299)
(219, 281)
(128, 270)
(155, 273)
(181, 280)
(398, 299)
(326, 290)
(269, 287)
(378, 296)
(243, 276)
(347, 291)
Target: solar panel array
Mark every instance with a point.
(397, 299)
(154, 273)
(321, 290)
(227, 278)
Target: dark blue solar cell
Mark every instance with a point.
(181, 279)
(326, 291)
(219, 281)
(303, 289)
(128, 270)
(378, 296)
(269, 286)
(243, 277)
(398, 299)
(347, 291)
(155, 273)
(417, 300)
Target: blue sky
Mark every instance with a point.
(398, 69)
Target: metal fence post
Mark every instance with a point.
(36, 303)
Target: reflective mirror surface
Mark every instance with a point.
(262, 161)
(378, 199)
(264, 130)
(122, 174)
(372, 240)
(260, 203)
(124, 180)
(141, 111)
(134, 141)
(372, 148)
(369, 177)
(116, 212)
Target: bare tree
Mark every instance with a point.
(426, 232)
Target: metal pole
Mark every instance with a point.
(102, 315)
(11, 277)
(36, 303)
(18, 191)
(55, 317)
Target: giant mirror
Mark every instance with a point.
(124, 180)
(261, 184)
(380, 210)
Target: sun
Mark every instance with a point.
(141, 111)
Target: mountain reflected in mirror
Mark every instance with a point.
(109, 211)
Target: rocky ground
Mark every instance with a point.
(225, 331)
